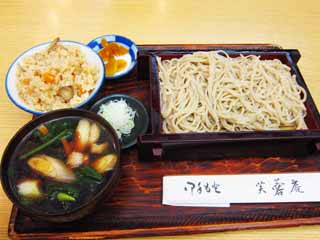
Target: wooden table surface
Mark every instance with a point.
(291, 24)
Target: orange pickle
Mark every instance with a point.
(121, 64)
(108, 54)
(111, 67)
(104, 43)
(122, 50)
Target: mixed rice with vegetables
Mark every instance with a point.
(56, 77)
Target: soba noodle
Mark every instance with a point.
(210, 92)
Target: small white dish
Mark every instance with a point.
(11, 78)
(130, 57)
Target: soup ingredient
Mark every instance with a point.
(105, 163)
(59, 76)
(85, 135)
(88, 172)
(51, 168)
(82, 135)
(54, 128)
(61, 135)
(99, 148)
(109, 54)
(211, 92)
(53, 189)
(65, 197)
(43, 129)
(29, 188)
(119, 114)
(76, 159)
(67, 146)
(94, 133)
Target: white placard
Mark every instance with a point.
(221, 190)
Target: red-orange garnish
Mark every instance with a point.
(67, 146)
(43, 129)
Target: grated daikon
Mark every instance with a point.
(119, 115)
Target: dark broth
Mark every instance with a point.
(88, 181)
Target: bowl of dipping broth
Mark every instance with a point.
(61, 164)
(118, 53)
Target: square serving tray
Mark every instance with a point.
(136, 208)
(158, 145)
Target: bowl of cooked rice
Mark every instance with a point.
(54, 75)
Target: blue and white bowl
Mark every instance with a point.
(11, 78)
(130, 57)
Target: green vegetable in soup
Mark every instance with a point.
(25, 201)
(53, 189)
(63, 134)
(54, 128)
(88, 172)
(62, 197)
